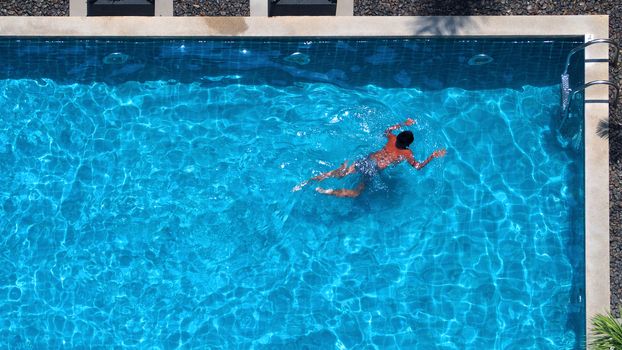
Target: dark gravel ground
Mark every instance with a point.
(181, 7)
(613, 8)
(34, 7)
(211, 8)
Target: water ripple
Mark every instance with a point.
(159, 215)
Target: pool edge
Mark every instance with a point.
(303, 26)
(597, 268)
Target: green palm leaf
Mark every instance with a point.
(607, 333)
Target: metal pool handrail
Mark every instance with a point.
(566, 110)
(591, 42)
(568, 94)
(598, 82)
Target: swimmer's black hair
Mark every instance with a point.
(404, 139)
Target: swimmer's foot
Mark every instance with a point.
(324, 190)
(299, 186)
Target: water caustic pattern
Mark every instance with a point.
(160, 215)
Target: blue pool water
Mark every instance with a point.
(159, 214)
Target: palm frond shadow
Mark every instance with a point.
(442, 25)
(612, 131)
(602, 130)
(443, 21)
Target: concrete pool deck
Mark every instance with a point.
(596, 68)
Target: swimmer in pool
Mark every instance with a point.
(394, 152)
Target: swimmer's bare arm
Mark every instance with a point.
(419, 165)
(408, 122)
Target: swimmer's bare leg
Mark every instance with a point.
(342, 171)
(343, 192)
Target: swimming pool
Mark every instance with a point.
(147, 201)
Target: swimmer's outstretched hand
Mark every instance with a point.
(439, 153)
(410, 122)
